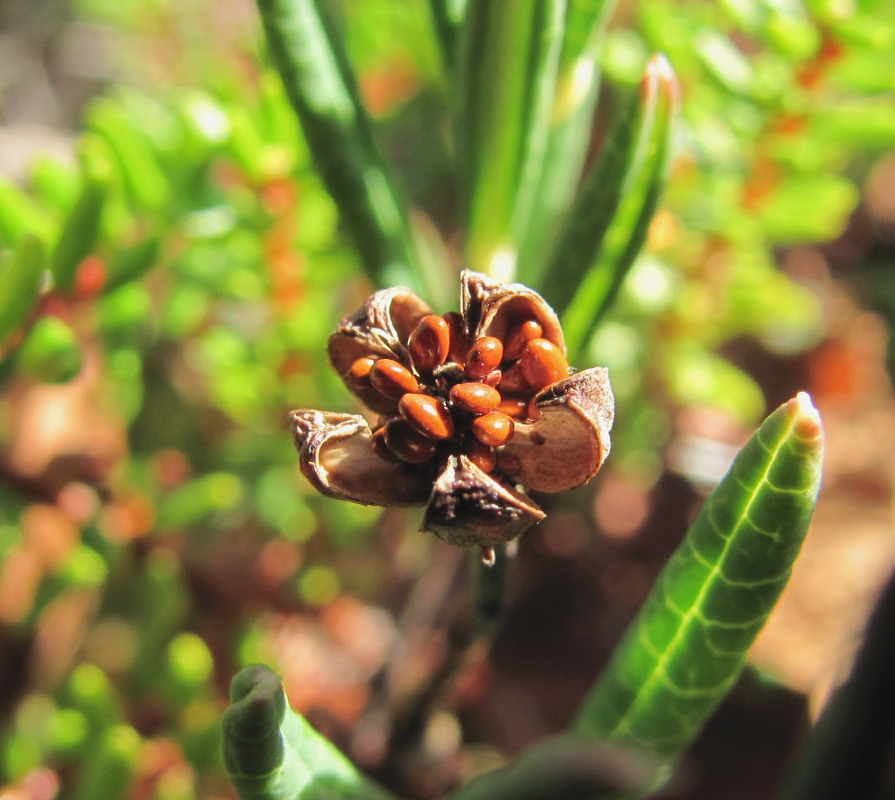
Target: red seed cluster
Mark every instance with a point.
(456, 395)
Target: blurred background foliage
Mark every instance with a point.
(155, 535)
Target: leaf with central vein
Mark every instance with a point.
(688, 644)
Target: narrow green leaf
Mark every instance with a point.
(272, 753)
(20, 277)
(687, 646)
(81, 227)
(509, 54)
(567, 768)
(610, 221)
(571, 122)
(849, 751)
(308, 52)
(447, 17)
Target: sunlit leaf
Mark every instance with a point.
(688, 644)
(272, 753)
(20, 278)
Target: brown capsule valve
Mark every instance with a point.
(484, 356)
(406, 443)
(543, 363)
(392, 379)
(428, 415)
(493, 429)
(476, 398)
(430, 343)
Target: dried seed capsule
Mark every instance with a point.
(392, 379)
(519, 336)
(459, 341)
(482, 455)
(381, 448)
(358, 375)
(406, 443)
(514, 407)
(428, 415)
(513, 381)
(476, 398)
(485, 355)
(430, 343)
(543, 363)
(493, 428)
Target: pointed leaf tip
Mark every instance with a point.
(805, 416)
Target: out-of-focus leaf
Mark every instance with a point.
(111, 767)
(687, 645)
(308, 52)
(447, 17)
(144, 182)
(272, 753)
(567, 768)
(848, 753)
(20, 215)
(609, 222)
(509, 52)
(574, 103)
(81, 226)
(51, 352)
(808, 208)
(20, 278)
(130, 262)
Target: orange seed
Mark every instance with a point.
(430, 343)
(427, 415)
(476, 398)
(392, 379)
(520, 335)
(406, 443)
(493, 428)
(543, 363)
(484, 356)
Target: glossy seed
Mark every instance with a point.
(513, 381)
(381, 448)
(430, 343)
(406, 443)
(519, 336)
(358, 375)
(493, 428)
(482, 455)
(543, 363)
(476, 398)
(485, 355)
(428, 415)
(492, 378)
(392, 379)
(459, 341)
(532, 412)
(514, 407)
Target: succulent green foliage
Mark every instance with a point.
(847, 753)
(272, 753)
(687, 645)
(567, 768)
(307, 49)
